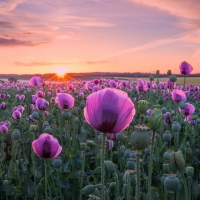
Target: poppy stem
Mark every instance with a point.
(45, 164)
(102, 166)
(150, 167)
(138, 154)
(184, 82)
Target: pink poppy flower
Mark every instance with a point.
(109, 110)
(46, 146)
(185, 68)
(41, 104)
(16, 114)
(178, 96)
(64, 100)
(188, 110)
(36, 81)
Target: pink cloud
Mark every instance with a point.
(187, 9)
(9, 5)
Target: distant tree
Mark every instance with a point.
(12, 79)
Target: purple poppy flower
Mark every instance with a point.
(89, 85)
(167, 117)
(33, 99)
(3, 129)
(49, 93)
(111, 136)
(140, 86)
(109, 110)
(185, 68)
(58, 90)
(190, 120)
(149, 111)
(169, 84)
(178, 96)
(3, 105)
(70, 86)
(112, 84)
(41, 104)
(188, 110)
(109, 144)
(40, 94)
(96, 81)
(16, 114)
(64, 100)
(46, 146)
(36, 81)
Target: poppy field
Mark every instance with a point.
(103, 139)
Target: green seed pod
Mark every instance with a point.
(155, 119)
(33, 128)
(74, 111)
(173, 78)
(112, 185)
(147, 151)
(167, 136)
(142, 106)
(66, 115)
(90, 143)
(176, 127)
(169, 72)
(166, 168)
(57, 162)
(172, 183)
(189, 171)
(96, 194)
(88, 189)
(140, 138)
(16, 135)
(160, 101)
(182, 105)
(130, 165)
(48, 130)
(35, 115)
(151, 78)
(82, 105)
(129, 174)
(83, 146)
(110, 166)
(167, 155)
(119, 136)
(157, 72)
(76, 120)
(177, 160)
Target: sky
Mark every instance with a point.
(98, 35)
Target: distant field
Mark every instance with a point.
(193, 80)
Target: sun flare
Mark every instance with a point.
(60, 70)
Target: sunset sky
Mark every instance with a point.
(36, 36)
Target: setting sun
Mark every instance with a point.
(60, 70)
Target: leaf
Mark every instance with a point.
(69, 153)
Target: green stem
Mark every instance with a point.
(138, 154)
(59, 186)
(82, 174)
(150, 167)
(189, 188)
(102, 166)
(45, 164)
(184, 82)
(185, 186)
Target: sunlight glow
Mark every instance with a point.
(60, 70)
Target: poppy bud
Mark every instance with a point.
(190, 171)
(177, 160)
(155, 119)
(110, 166)
(88, 189)
(142, 106)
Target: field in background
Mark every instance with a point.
(180, 80)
